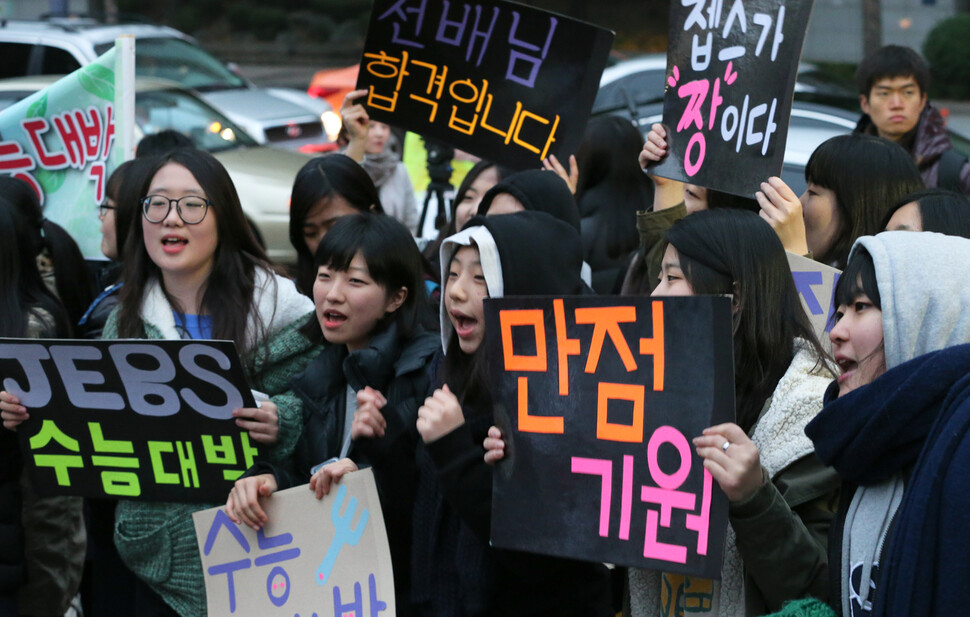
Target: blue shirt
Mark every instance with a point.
(193, 326)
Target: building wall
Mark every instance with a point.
(835, 31)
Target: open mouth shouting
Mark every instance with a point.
(465, 325)
(172, 243)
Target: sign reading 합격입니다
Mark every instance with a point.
(504, 81)
(731, 67)
(147, 420)
(598, 399)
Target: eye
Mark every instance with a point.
(838, 315)
(479, 278)
(452, 274)
(357, 281)
(860, 306)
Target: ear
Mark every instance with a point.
(395, 300)
(864, 103)
(922, 102)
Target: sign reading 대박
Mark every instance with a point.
(598, 399)
(147, 420)
(504, 81)
(731, 68)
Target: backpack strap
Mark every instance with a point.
(948, 170)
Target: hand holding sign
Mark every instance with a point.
(655, 147)
(782, 209)
(732, 459)
(494, 446)
(12, 412)
(263, 422)
(331, 473)
(243, 505)
(357, 122)
(571, 177)
(440, 414)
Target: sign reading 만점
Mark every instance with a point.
(507, 82)
(148, 420)
(598, 399)
(731, 68)
(325, 557)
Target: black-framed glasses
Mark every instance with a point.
(191, 208)
(103, 209)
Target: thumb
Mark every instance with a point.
(445, 388)
(265, 489)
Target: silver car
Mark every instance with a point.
(276, 116)
(263, 176)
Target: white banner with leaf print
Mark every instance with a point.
(62, 141)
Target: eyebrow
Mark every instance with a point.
(910, 84)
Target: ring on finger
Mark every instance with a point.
(725, 446)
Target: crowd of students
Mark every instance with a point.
(844, 469)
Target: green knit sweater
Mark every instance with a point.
(157, 540)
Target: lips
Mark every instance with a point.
(465, 325)
(847, 365)
(333, 319)
(172, 244)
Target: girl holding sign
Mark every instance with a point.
(780, 495)
(194, 270)
(895, 427)
(361, 394)
(527, 253)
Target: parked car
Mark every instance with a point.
(263, 176)
(277, 116)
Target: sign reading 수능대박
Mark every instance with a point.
(731, 68)
(148, 420)
(507, 82)
(326, 557)
(598, 399)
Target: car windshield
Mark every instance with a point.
(157, 110)
(181, 61)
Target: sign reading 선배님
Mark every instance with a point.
(507, 82)
(314, 557)
(147, 420)
(731, 68)
(598, 400)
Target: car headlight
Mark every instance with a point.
(331, 124)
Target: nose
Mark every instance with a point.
(839, 331)
(173, 216)
(896, 99)
(335, 292)
(456, 290)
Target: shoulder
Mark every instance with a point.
(277, 304)
(40, 323)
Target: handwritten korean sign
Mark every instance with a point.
(148, 420)
(598, 399)
(731, 67)
(816, 283)
(504, 81)
(328, 558)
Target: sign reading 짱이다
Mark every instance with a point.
(507, 82)
(598, 399)
(731, 68)
(327, 557)
(139, 419)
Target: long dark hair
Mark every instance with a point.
(22, 290)
(72, 280)
(611, 184)
(392, 258)
(228, 293)
(735, 252)
(942, 211)
(323, 178)
(867, 174)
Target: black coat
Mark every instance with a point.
(398, 370)
(11, 530)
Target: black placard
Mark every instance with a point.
(731, 69)
(138, 419)
(504, 81)
(598, 399)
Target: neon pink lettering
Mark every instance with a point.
(626, 497)
(716, 100)
(604, 469)
(702, 522)
(668, 434)
(692, 167)
(697, 91)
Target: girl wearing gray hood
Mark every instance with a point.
(895, 427)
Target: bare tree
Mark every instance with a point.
(871, 26)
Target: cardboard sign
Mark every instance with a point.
(147, 420)
(61, 140)
(325, 557)
(504, 81)
(816, 283)
(598, 399)
(731, 69)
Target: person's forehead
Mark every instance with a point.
(896, 82)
